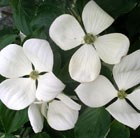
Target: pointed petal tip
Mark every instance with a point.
(96, 93)
(35, 118)
(124, 113)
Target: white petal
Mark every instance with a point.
(22, 36)
(134, 97)
(44, 109)
(112, 47)
(35, 117)
(39, 53)
(69, 102)
(49, 86)
(18, 93)
(124, 113)
(95, 19)
(60, 116)
(127, 72)
(13, 62)
(96, 93)
(85, 64)
(66, 32)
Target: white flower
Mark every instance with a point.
(29, 73)
(61, 113)
(100, 92)
(85, 64)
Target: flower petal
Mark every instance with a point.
(39, 53)
(35, 117)
(112, 47)
(127, 72)
(134, 97)
(96, 93)
(124, 113)
(66, 32)
(49, 86)
(85, 64)
(18, 93)
(44, 109)
(13, 62)
(69, 102)
(63, 119)
(95, 19)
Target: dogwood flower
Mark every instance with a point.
(85, 64)
(29, 73)
(61, 113)
(100, 91)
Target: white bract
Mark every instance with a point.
(85, 64)
(29, 73)
(100, 91)
(61, 113)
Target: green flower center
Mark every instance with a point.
(89, 38)
(34, 75)
(122, 94)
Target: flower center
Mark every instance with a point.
(89, 38)
(122, 94)
(34, 75)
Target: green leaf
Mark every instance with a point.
(10, 120)
(113, 7)
(23, 12)
(93, 123)
(133, 22)
(117, 7)
(8, 136)
(40, 135)
(47, 12)
(4, 2)
(118, 130)
(7, 39)
(135, 46)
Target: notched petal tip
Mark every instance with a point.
(85, 64)
(112, 47)
(95, 19)
(39, 52)
(66, 32)
(63, 119)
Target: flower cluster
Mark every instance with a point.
(31, 82)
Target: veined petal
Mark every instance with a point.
(13, 62)
(124, 113)
(134, 97)
(49, 86)
(127, 72)
(66, 32)
(17, 93)
(69, 102)
(96, 93)
(85, 64)
(35, 117)
(95, 19)
(39, 53)
(63, 119)
(112, 47)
